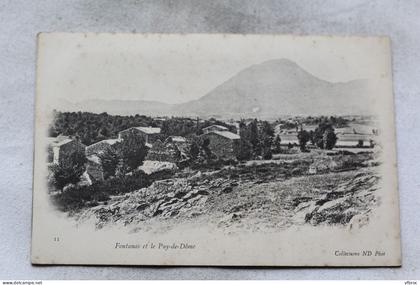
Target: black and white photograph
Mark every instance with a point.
(188, 149)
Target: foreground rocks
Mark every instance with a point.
(350, 203)
(233, 202)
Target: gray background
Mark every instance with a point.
(20, 21)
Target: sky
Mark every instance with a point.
(179, 68)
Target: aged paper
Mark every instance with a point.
(214, 149)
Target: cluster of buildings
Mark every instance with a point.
(221, 142)
(346, 137)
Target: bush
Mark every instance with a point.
(277, 144)
(68, 171)
(303, 137)
(324, 136)
(76, 198)
(133, 150)
(123, 184)
(330, 139)
(110, 159)
(244, 150)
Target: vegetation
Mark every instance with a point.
(244, 150)
(91, 128)
(82, 196)
(258, 141)
(68, 171)
(277, 144)
(303, 137)
(133, 151)
(294, 123)
(259, 136)
(324, 136)
(111, 160)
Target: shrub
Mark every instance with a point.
(244, 150)
(133, 150)
(303, 137)
(78, 197)
(324, 136)
(123, 184)
(277, 144)
(330, 139)
(110, 159)
(68, 171)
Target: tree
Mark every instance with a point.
(312, 137)
(329, 139)
(133, 150)
(244, 150)
(266, 149)
(266, 139)
(324, 136)
(194, 149)
(110, 159)
(252, 136)
(205, 146)
(277, 144)
(303, 137)
(68, 170)
(267, 129)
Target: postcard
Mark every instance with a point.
(214, 150)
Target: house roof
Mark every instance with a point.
(228, 135)
(108, 141)
(59, 141)
(149, 130)
(146, 130)
(216, 126)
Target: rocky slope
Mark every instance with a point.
(233, 202)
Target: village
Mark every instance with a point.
(173, 150)
(181, 177)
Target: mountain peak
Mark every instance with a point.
(280, 61)
(278, 87)
(275, 64)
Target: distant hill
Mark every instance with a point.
(279, 87)
(267, 90)
(117, 107)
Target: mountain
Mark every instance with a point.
(279, 87)
(268, 90)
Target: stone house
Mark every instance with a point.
(149, 134)
(214, 128)
(223, 144)
(61, 147)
